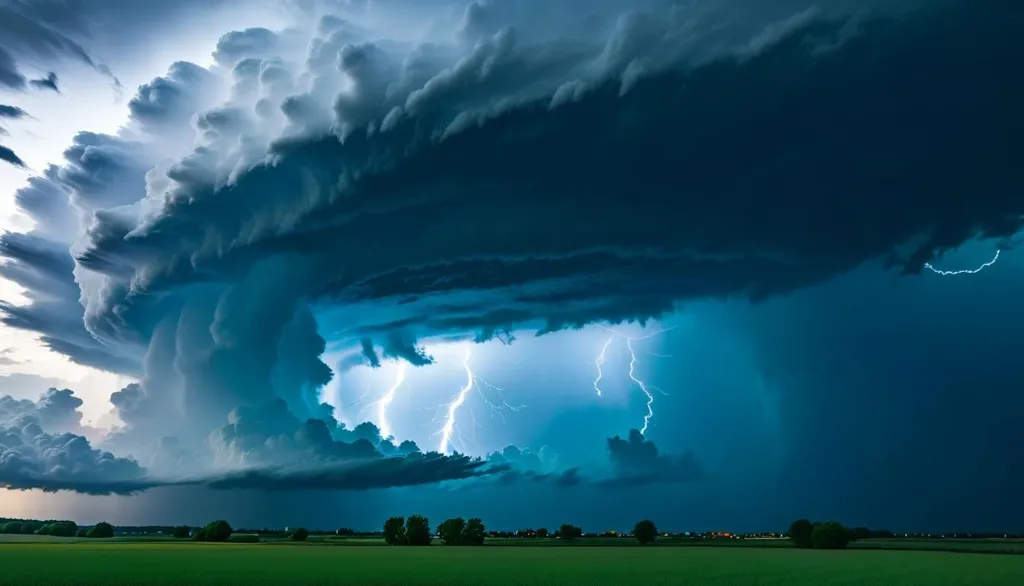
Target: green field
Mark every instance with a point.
(158, 564)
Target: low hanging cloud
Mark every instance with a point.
(637, 461)
(47, 83)
(540, 165)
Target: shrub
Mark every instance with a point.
(218, 531)
(182, 532)
(569, 532)
(299, 534)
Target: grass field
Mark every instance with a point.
(159, 564)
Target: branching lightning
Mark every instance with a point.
(963, 271)
(453, 407)
(644, 387)
(385, 401)
(451, 410)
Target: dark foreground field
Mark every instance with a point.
(158, 564)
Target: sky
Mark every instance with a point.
(722, 264)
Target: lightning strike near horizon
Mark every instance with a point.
(385, 401)
(632, 369)
(453, 407)
(963, 271)
(599, 362)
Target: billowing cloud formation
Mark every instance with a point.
(55, 410)
(529, 164)
(31, 457)
(637, 461)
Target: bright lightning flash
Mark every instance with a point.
(632, 369)
(599, 362)
(963, 271)
(389, 396)
(453, 407)
(473, 381)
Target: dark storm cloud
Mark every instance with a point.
(490, 205)
(8, 156)
(637, 461)
(47, 83)
(10, 77)
(411, 470)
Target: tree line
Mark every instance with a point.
(805, 534)
(415, 530)
(56, 529)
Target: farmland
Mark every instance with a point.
(168, 563)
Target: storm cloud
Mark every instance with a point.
(505, 171)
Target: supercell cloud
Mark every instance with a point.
(387, 172)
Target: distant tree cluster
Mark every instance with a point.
(568, 532)
(299, 534)
(412, 531)
(217, 531)
(826, 535)
(458, 531)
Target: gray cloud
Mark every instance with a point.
(9, 156)
(47, 83)
(12, 112)
(637, 461)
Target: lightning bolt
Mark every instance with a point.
(453, 407)
(599, 362)
(389, 396)
(473, 382)
(644, 387)
(963, 271)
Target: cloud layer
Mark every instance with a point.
(369, 181)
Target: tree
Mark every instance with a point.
(299, 534)
(11, 528)
(645, 532)
(394, 531)
(101, 531)
(800, 533)
(218, 531)
(59, 529)
(569, 532)
(199, 535)
(417, 530)
(346, 531)
(475, 532)
(182, 532)
(452, 531)
(830, 535)
(82, 532)
(542, 533)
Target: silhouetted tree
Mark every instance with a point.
(218, 531)
(394, 531)
(569, 532)
(346, 531)
(101, 531)
(300, 534)
(417, 530)
(542, 532)
(199, 534)
(452, 531)
(800, 533)
(474, 532)
(11, 528)
(181, 532)
(645, 532)
(830, 535)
